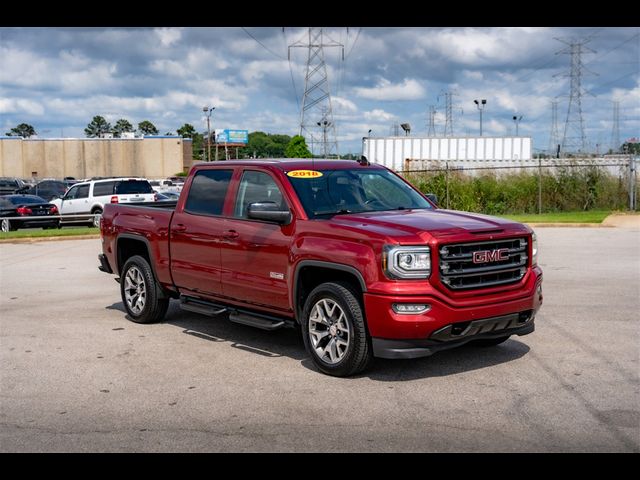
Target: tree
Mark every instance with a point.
(170, 134)
(147, 128)
(97, 127)
(23, 130)
(122, 126)
(631, 147)
(186, 131)
(297, 148)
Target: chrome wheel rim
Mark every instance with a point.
(96, 219)
(329, 331)
(135, 291)
(5, 225)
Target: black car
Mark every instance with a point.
(24, 206)
(9, 185)
(48, 189)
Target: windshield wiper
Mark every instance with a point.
(342, 211)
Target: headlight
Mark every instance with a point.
(534, 249)
(407, 262)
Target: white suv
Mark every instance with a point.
(89, 197)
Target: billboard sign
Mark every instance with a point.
(233, 136)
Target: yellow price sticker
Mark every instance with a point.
(304, 174)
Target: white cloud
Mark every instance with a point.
(409, 89)
(341, 104)
(20, 106)
(379, 115)
(168, 36)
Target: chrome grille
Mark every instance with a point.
(458, 271)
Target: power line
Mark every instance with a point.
(354, 43)
(293, 82)
(262, 44)
(614, 48)
(612, 81)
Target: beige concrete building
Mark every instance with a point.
(150, 157)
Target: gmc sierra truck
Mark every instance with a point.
(349, 252)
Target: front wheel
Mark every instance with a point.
(142, 296)
(334, 330)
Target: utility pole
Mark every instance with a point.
(324, 124)
(574, 139)
(317, 97)
(554, 136)
(431, 129)
(207, 111)
(615, 131)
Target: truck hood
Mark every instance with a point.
(437, 223)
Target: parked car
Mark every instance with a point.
(47, 189)
(9, 185)
(163, 186)
(24, 207)
(350, 253)
(167, 196)
(86, 198)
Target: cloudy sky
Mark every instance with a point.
(57, 79)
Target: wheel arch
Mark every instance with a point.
(308, 274)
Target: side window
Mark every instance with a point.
(208, 191)
(257, 187)
(71, 194)
(83, 191)
(103, 188)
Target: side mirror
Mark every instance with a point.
(270, 212)
(433, 197)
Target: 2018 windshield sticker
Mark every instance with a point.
(304, 174)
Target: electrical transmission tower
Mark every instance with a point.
(431, 128)
(615, 132)
(448, 108)
(554, 137)
(574, 139)
(316, 115)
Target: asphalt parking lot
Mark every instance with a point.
(76, 375)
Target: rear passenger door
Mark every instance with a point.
(196, 232)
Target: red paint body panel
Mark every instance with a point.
(253, 264)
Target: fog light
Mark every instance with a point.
(410, 308)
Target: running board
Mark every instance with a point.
(262, 323)
(202, 307)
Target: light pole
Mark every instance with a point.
(480, 104)
(207, 111)
(324, 124)
(517, 119)
(369, 133)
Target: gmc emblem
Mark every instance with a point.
(486, 256)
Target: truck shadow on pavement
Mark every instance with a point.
(288, 343)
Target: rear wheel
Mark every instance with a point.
(334, 330)
(142, 296)
(490, 342)
(7, 226)
(95, 221)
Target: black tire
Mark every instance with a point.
(490, 342)
(155, 301)
(95, 211)
(358, 354)
(7, 225)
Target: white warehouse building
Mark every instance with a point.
(417, 153)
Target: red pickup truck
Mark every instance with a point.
(349, 252)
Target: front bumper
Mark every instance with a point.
(440, 326)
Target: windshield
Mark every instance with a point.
(355, 191)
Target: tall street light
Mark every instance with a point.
(325, 125)
(207, 111)
(517, 119)
(480, 104)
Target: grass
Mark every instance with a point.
(63, 232)
(591, 216)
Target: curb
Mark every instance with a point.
(49, 239)
(568, 225)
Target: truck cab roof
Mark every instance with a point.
(287, 164)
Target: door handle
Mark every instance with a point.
(230, 234)
(178, 228)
